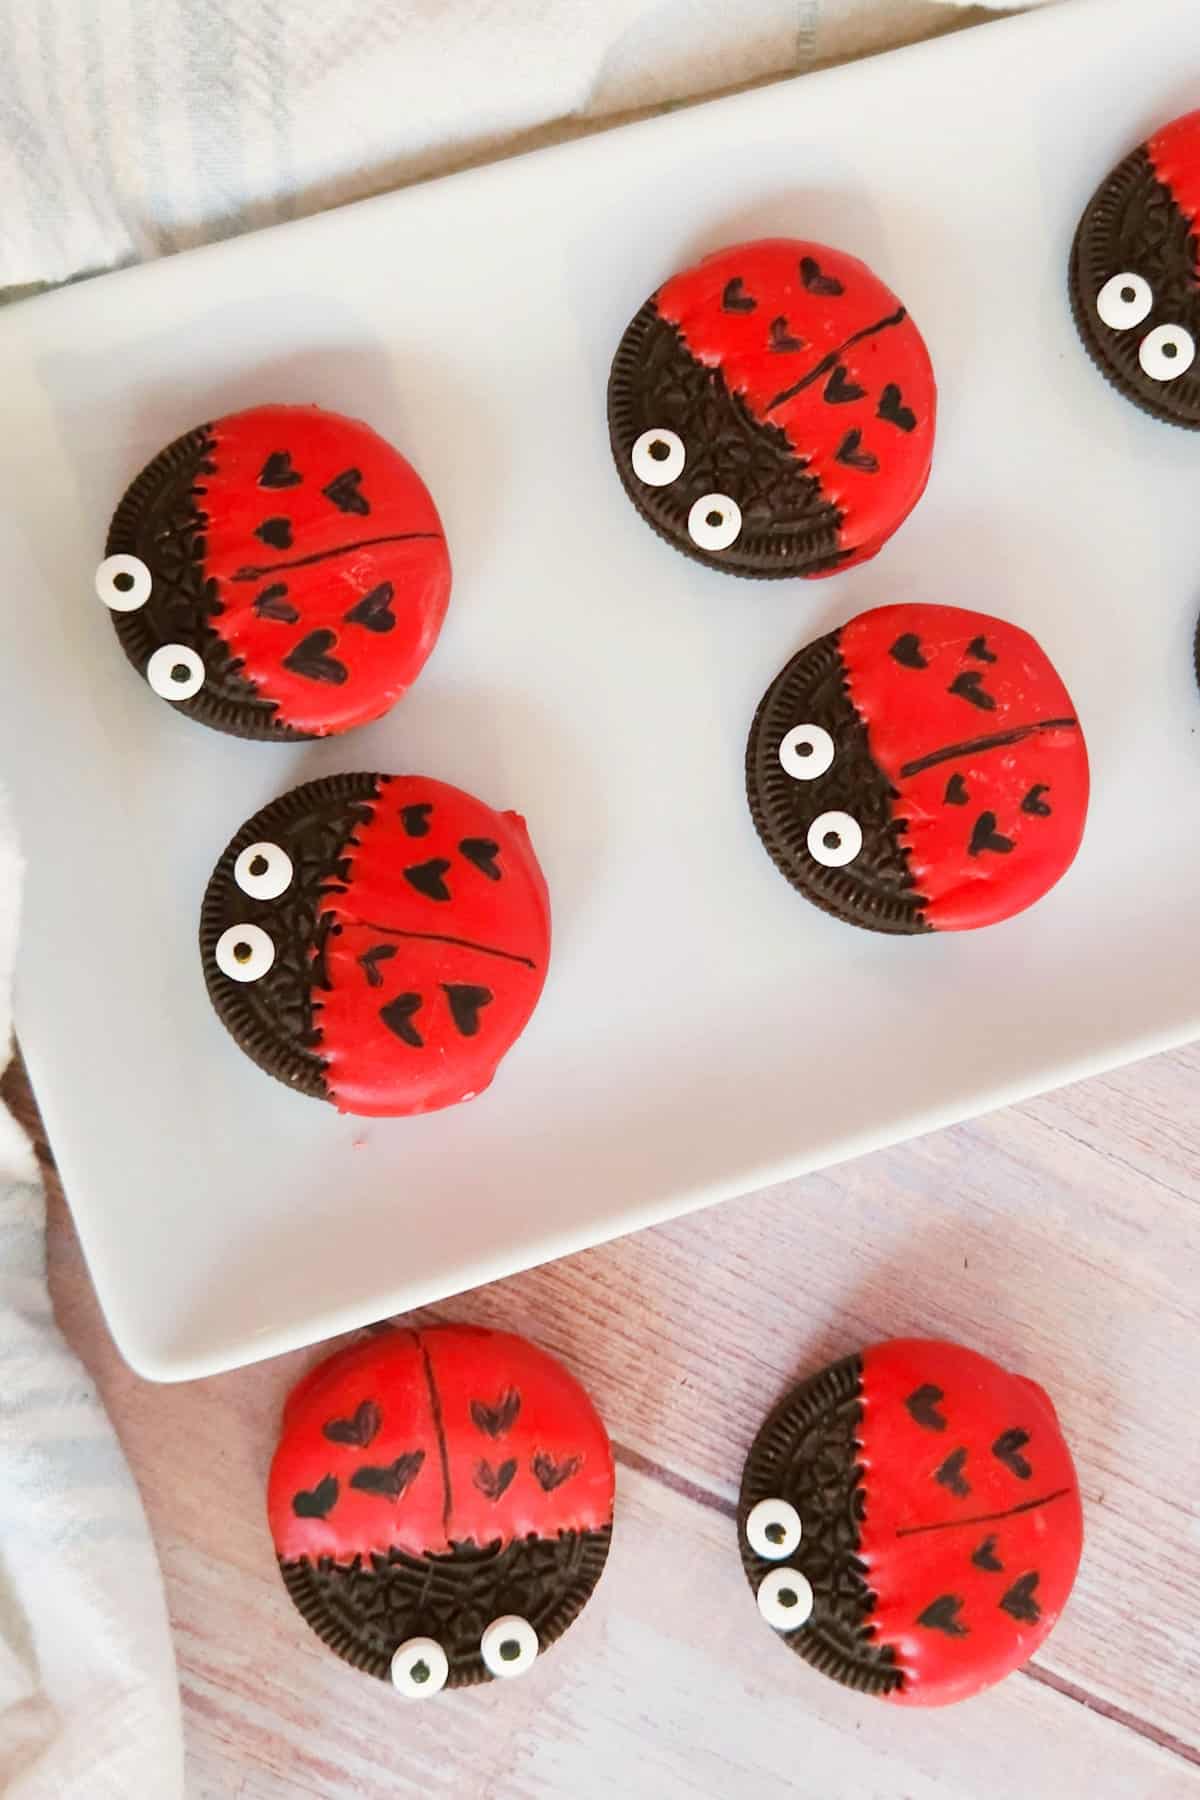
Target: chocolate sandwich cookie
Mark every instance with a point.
(910, 1521)
(919, 769)
(441, 1503)
(1135, 275)
(281, 573)
(379, 941)
(772, 410)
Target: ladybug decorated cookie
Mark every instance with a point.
(919, 769)
(379, 941)
(441, 1503)
(1135, 274)
(772, 410)
(910, 1521)
(281, 573)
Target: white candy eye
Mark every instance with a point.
(834, 839)
(658, 457)
(509, 1646)
(773, 1529)
(175, 672)
(806, 752)
(419, 1669)
(263, 871)
(244, 952)
(1124, 300)
(714, 522)
(785, 1599)
(1166, 352)
(123, 583)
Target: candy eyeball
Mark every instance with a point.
(175, 672)
(263, 871)
(1166, 352)
(244, 952)
(773, 1529)
(785, 1599)
(123, 583)
(714, 522)
(806, 752)
(834, 839)
(658, 457)
(509, 1647)
(420, 1669)
(1124, 301)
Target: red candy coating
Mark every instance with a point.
(971, 1556)
(456, 1435)
(313, 518)
(438, 952)
(928, 678)
(864, 423)
(1175, 155)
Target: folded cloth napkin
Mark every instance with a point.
(131, 128)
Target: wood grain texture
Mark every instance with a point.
(1062, 1237)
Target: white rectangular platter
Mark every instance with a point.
(704, 1030)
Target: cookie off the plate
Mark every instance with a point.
(772, 410)
(910, 1521)
(921, 768)
(280, 573)
(378, 941)
(441, 1504)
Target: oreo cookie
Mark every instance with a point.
(281, 573)
(772, 410)
(441, 1504)
(921, 768)
(378, 941)
(910, 1521)
(1135, 275)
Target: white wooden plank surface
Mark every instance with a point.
(1062, 1237)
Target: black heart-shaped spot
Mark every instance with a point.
(921, 1406)
(343, 491)
(497, 1419)
(397, 1015)
(942, 1615)
(781, 338)
(374, 609)
(276, 531)
(907, 651)
(951, 1476)
(359, 1429)
(849, 453)
(1033, 802)
(311, 659)
(978, 649)
(370, 960)
(839, 388)
(984, 836)
(466, 1004)
(1019, 1602)
(815, 281)
(483, 853)
(493, 1482)
(277, 471)
(426, 877)
(969, 686)
(893, 411)
(1007, 1449)
(551, 1474)
(318, 1502)
(415, 818)
(735, 298)
(956, 791)
(392, 1479)
(270, 604)
(984, 1557)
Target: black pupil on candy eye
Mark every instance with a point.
(1128, 296)
(1170, 350)
(714, 518)
(775, 1534)
(123, 581)
(804, 749)
(832, 840)
(787, 1596)
(510, 1650)
(420, 1673)
(242, 953)
(180, 672)
(660, 451)
(259, 865)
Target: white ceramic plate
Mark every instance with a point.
(704, 1030)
